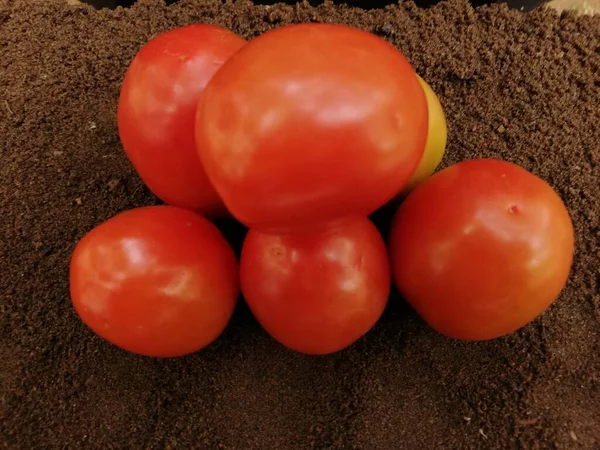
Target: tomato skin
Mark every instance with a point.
(316, 293)
(437, 137)
(481, 249)
(294, 137)
(158, 281)
(157, 107)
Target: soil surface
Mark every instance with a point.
(519, 86)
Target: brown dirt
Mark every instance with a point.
(523, 87)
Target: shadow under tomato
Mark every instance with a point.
(234, 232)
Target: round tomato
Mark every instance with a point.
(481, 249)
(316, 293)
(309, 124)
(157, 107)
(158, 281)
(437, 136)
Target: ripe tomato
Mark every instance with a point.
(309, 124)
(158, 281)
(481, 249)
(316, 293)
(437, 136)
(157, 107)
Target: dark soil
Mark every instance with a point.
(522, 87)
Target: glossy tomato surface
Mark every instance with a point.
(481, 249)
(158, 281)
(437, 137)
(316, 293)
(157, 107)
(311, 123)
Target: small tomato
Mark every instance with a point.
(316, 293)
(156, 111)
(158, 281)
(481, 248)
(437, 135)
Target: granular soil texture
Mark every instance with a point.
(522, 87)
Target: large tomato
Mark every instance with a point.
(157, 107)
(316, 293)
(481, 249)
(158, 281)
(309, 124)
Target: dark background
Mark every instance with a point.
(365, 4)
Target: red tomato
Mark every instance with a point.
(158, 281)
(316, 293)
(481, 249)
(157, 107)
(311, 123)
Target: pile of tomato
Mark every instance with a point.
(300, 134)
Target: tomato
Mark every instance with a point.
(158, 281)
(437, 136)
(481, 249)
(157, 106)
(316, 293)
(311, 124)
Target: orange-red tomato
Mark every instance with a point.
(309, 124)
(158, 281)
(157, 107)
(316, 293)
(481, 249)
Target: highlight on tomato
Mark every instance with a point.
(316, 293)
(158, 281)
(311, 124)
(481, 249)
(156, 111)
